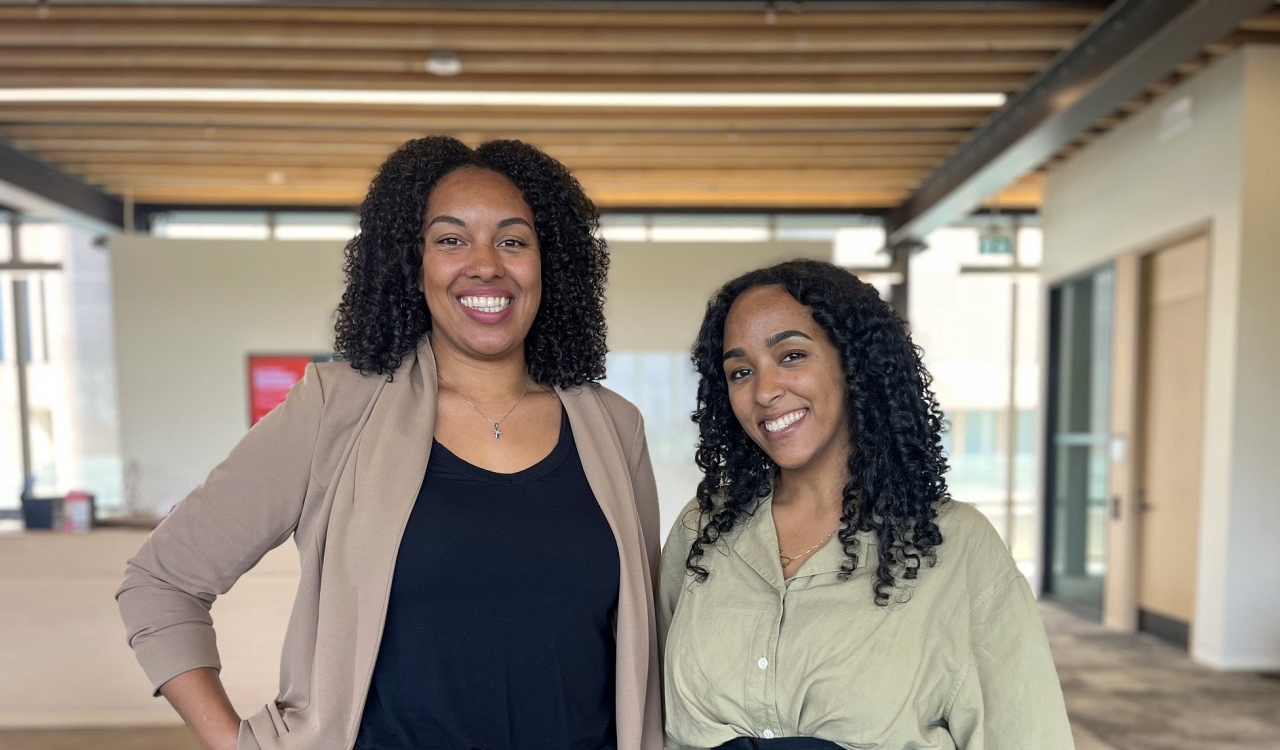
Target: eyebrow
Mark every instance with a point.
(446, 219)
(783, 336)
(771, 342)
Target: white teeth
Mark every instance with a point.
(785, 420)
(486, 304)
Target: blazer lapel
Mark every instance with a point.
(391, 460)
(601, 453)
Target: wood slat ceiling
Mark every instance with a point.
(626, 157)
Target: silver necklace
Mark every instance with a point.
(497, 430)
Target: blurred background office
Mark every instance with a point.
(1076, 205)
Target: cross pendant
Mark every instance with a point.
(496, 432)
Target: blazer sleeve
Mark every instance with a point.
(249, 504)
(1009, 697)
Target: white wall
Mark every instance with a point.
(1250, 577)
(187, 312)
(1129, 190)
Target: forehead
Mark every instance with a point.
(761, 312)
(475, 189)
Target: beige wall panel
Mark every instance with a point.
(1173, 426)
(65, 661)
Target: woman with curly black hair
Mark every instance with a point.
(476, 517)
(822, 591)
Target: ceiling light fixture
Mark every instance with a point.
(501, 98)
(443, 62)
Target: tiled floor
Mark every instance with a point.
(1124, 692)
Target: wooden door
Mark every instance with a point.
(1176, 308)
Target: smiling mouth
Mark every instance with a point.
(785, 421)
(485, 304)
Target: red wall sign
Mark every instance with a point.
(270, 378)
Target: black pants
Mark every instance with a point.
(779, 743)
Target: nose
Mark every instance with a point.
(769, 386)
(486, 263)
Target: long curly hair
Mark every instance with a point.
(896, 466)
(383, 315)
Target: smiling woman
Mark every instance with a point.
(852, 603)
(428, 481)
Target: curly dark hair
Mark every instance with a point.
(896, 467)
(383, 315)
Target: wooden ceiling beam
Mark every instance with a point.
(147, 173)
(249, 79)
(606, 200)
(99, 161)
(481, 65)
(304, 137)
(559, 39)
(1068, 14)
(448, 119)
(142, 150)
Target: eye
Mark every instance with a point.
(513, 242)
(450, 241)
(792, 356)
(738, 374)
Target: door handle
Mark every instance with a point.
(1143, 505)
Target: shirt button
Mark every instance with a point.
(768, 734)
(763, 663)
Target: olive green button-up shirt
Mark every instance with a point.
(964, 663)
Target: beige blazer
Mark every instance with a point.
(337, 467)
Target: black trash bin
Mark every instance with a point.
(42, 512)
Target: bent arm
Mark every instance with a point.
(250, 504)
(201, 701)
(1010, 698)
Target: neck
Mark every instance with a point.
(818, 485)
(498, 379)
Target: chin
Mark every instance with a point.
(791, 459)
(492, 343)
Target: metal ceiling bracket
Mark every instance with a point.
(1130, 46)
(36, 187)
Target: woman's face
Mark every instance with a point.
(481, 269)
(786, 383)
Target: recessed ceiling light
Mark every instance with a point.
(443, 63)
(504, 98)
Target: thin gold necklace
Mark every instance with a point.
(788, 559)
(497, 429)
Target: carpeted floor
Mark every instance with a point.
(1136, 692)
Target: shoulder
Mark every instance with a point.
(972, 547)
(684, 529)
(621, 411)
(340, 379)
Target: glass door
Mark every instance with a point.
(1078, 416)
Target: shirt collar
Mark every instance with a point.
(757, 545)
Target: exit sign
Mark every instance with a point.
(995, 244)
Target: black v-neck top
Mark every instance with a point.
(499, 631)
